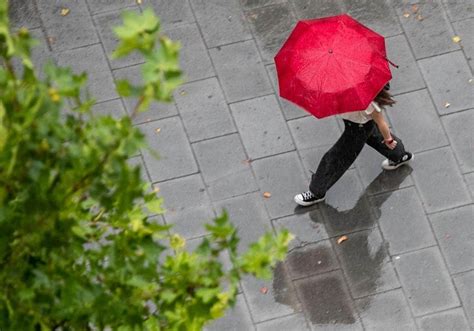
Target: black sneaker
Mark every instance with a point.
(390, 165)
(307, 199)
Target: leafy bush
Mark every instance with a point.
(78, 249)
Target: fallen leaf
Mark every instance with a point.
(471, 80)
(406, 14)
(397, 257)
(139, 2)
(158, 130)
(51, 40)
(182, 93)
(419, 17)
(267, 194)
(414, 8)
(65, 11)
(263, 290)
(456, 39)
(342, 239)
(156, 189)
(447, 104)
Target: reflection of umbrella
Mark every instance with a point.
(332, 65)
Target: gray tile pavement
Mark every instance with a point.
(407, 262)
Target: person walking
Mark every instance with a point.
(360, 128)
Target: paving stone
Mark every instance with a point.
(279, 300)
(175, 157)
(92, 60)
(71, 31)
(203, 109)
(449, 320)
(171, 12)
(312, 259)
(220, 24)
(262, 128)
(282, 176)
(432, 34)
(251, 4)
(464, 30)
(236, 319)
(187, 205)
(307, 227)
(240, 71)
(448, 77)
(459, 10)
(459, 128)
(112, 108)
(137, 161)
(366, 263)
(407, 76)
(311, 132)
(23, 14)
(416, 122)
(105, 24)
(402, 221)
(271, 26)
(455, 232)
(439, 192)
(347, 208)
(465, 289)
(426, 281)
(193, 57)
(248, 214)
(290, 110)
(156, 110)
(386, 311)
(374, 179)
(376, 15)
(223, 166)
(309, 9)
(469, 179)
(98, 6)
(292, 322)
(326, 300)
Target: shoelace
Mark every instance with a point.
(307, 195)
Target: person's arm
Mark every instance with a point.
(384, 129)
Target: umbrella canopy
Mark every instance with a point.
(332, 65)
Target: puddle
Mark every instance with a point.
(316, 270)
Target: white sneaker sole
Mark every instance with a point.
(305, 204)
(388, 167)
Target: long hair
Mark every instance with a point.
(384, 98)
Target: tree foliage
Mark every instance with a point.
(78, 248)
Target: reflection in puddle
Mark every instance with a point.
(316, 273)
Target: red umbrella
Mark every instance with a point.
(332, 65)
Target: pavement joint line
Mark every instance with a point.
(111, 11)
(456, 112)
(43, 30)
(62, 51)
(410, 91)
(154, 120)
(461, 273)
(251, 98)
(449, 209)
(214, 137)
(296, 313)
(173, 178)
(394, 256)
(378, 293)
(231, 43)
(438, 312)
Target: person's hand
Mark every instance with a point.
(390, 143)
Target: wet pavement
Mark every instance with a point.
(408, 262)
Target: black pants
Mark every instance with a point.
(344, 152)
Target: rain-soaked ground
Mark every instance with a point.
(408, 260)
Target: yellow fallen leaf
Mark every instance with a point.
(65, 11)
(456, 39)
(156, 189)
(406, 14)
(182, 93)
(342, 239)
(158, 130)
(139, 2)
(447, 104)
